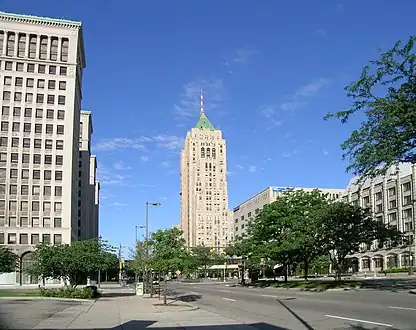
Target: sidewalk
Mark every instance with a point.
(120, 310)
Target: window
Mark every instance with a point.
(60, 129)
(48, 144)
(18, 96)
(58, 191)
(54, 49)
(30, 82)
(62, 85)
(47, 206)
(28, 112)
(13, 189)
(49, 128)
(19, 67)
(49, 114)
(47, 190)
(57, 239)
(59, 145)
(63, 70)
(24, 222)
(3, 157)
(24, 206)
(61, 114)
(1, 234)
(57, 222)
(51, 84)
(5, 110)
(30, 67)
(13, 206)
(21, 46)
(39, 113)
(26, 143)
(27, 127)
(24, 190)
(11, 39)
(15, 142)
(7, 81)
(37, 159)
(64, 49)
(47, 221)
(41, 68)
(38, 144)
(41, 83)
(11, 239)
(35, 206)
(52, 69)
(59, 160)
(16, 111)
(25, 158)
(58, 175)
(58, 207)
(4, 126)
(18, 82)
(3, 142)
(24, 239)
(40, 98)
(34, 238)
(14, 158)
(47, 175)
(9, 66)
(16, 127)
(46, 238)
(29, 98)
(48, 160)
(51, 99)
(25, 174)
(6, 96)
(61, 100)
(36, 174)
(32, 45)
(38, 128)
(43, 51)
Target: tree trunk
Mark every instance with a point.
(306, 268)
(165, 284)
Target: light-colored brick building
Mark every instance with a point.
(42, 195)
(205, 218)
(247, 210)
(391, 199)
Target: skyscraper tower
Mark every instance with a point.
(205, 217)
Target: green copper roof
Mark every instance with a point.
(204, 123)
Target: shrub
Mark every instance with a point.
(90, 292)
(397, 270)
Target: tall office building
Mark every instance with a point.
(41, 66)
(205, 218)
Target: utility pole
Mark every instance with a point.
(149, 278)
(120, 274)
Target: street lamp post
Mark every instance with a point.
(147, 239)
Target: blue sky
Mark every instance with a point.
(270, 70)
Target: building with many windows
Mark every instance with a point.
(205, 218)
(247, 210)
(41, 190)
(391, 199)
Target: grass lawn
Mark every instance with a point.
(20, 293)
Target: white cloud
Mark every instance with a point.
(107, 177)
(230, 173)
(321, 33)
(325, 152)
(121, 166)
(296, 101)
(144, 159)
(288, 154)
(166, 164)
(241, 56)
(240, 167)
(189, 104)
(170, 142)
(117, 204)
(252, 168)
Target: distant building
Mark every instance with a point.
(391, 199)
(247, 210)
(204, 197)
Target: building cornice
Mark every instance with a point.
(45, 21)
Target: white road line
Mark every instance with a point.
(360, 321)
(268, 296)
(403, 308)
(228, 299)
(225, 290)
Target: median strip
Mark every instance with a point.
(359, 321)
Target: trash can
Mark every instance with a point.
(139, 289)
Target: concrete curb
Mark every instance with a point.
(46, 298)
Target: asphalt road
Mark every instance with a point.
(287, 309)
(26, 314)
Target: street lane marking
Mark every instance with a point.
(268, 295)
(360, 321)
(228, 299)
(403, 308)
(225, 290)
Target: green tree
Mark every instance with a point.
(344, 227)
(71, 262)
(203, 257)
(8, 260)
(142, 257)
(386, 93)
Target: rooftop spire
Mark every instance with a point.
(201, 109)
